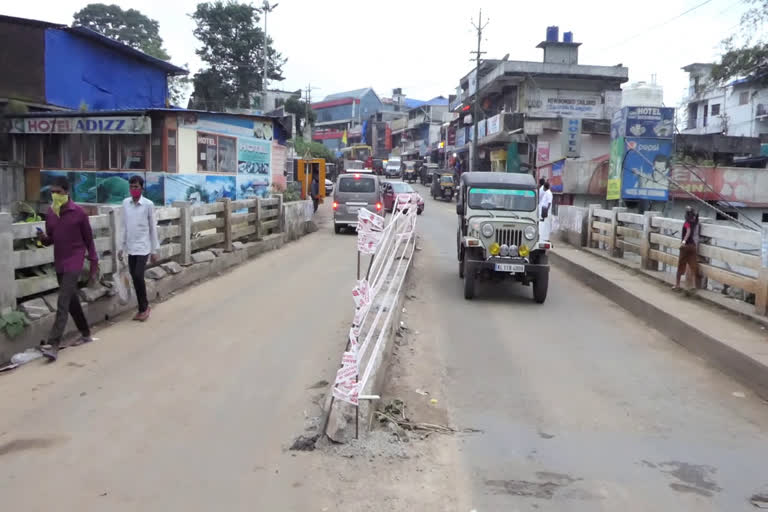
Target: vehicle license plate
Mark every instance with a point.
(509, 267)
(352, 209)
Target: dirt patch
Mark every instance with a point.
(20, 445)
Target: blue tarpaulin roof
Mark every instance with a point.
(411, 103)
(438, 101)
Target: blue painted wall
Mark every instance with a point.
(78, 70)
(335, 113)
(369, 104)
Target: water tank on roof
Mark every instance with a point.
(642, 94)
(568, 37)
(553, 34)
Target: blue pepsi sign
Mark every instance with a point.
(647, 163)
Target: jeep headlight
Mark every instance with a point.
(504, 251)
(494, 249)
(524, 251)
(529, 232)
(487, 230)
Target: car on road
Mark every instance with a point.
(391, 189)
(498, 236)
(328, 187)
(354, 191)
(393, 168)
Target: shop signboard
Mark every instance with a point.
(645, 122)
(137, 125)
(646, 168)
(253, 156)
(494, 124)
(461, 136)
(567, 104)
(542, 152)
(571, 135)
(613, 186)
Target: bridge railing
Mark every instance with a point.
(26, 270)
(734, 257)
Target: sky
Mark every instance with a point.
(423, 46)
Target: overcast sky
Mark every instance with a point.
(423, 45)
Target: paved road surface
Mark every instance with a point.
(583, 407)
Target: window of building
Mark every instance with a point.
(171, 150)
(743, 98)
(30, 149)
(765, 217)
(715, 109)
(95, 149)
(51, 152)
(731, 215)
(132, 150)
(71, 151)
(157, 145)
(216, 153)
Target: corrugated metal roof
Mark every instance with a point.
(357, 94)
(411, 103)
(438, 101)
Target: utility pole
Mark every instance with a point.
(476, 101)
(265, 9)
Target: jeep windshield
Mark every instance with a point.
(502, 199)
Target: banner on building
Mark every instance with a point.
(542, 152)
(254, 156)
(571, 137)
(645, 122)
(567, 104)
(613, 186)
(71, 125)
(494, 124)
(647, 164)
(513, 158)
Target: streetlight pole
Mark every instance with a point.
(265, 9)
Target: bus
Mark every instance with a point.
(359, 152)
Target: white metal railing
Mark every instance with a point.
(392, 247)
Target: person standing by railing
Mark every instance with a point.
(67, 227)
(545, 210)
(689, 250)
(140, 241)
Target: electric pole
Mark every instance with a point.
(476, 100)
(265, 9)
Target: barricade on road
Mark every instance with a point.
(376, 296)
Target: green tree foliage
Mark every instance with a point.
(232, 44)
(298, 108)
(130, 27)
(316, 149)
(747, 54)
(134, 29)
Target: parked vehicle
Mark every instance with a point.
(410, 175)
(391, 189)
(442, 186)
(427, 171)
(328, 187)
(498, 235)
(355, 191)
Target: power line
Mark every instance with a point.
(654, 27)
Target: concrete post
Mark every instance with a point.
(590, 217)
(258, 218)
(115, 228)
(280, 213)
(614, 248)
(185, 231)
(7, 271)
(227, 214)
(761, 297)
(645, 245)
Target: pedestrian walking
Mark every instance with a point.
(542, 181)
(689, 253)
(139, 241)
(314, 191)
(68, 229)
(545, 218)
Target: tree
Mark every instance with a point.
(232, 47)
(298, 108)
(316, 149)
(131, 27)
(747, 55)
(134, 29)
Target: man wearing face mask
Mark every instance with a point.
(139, 241)
(67, 227)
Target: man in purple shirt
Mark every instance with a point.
(67, 227)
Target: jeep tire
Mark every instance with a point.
(469, 279)
(540, 286)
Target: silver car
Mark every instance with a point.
(352, 192)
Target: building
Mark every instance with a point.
(55, 67)
(344, 112)
(534, 113)
(277, 98)
(739, 108)
(86, 107)
(419, 134)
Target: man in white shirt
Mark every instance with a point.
(139, 240)
(545, 213)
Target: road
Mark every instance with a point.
(581, 407)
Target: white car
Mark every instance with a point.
(328, 188)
